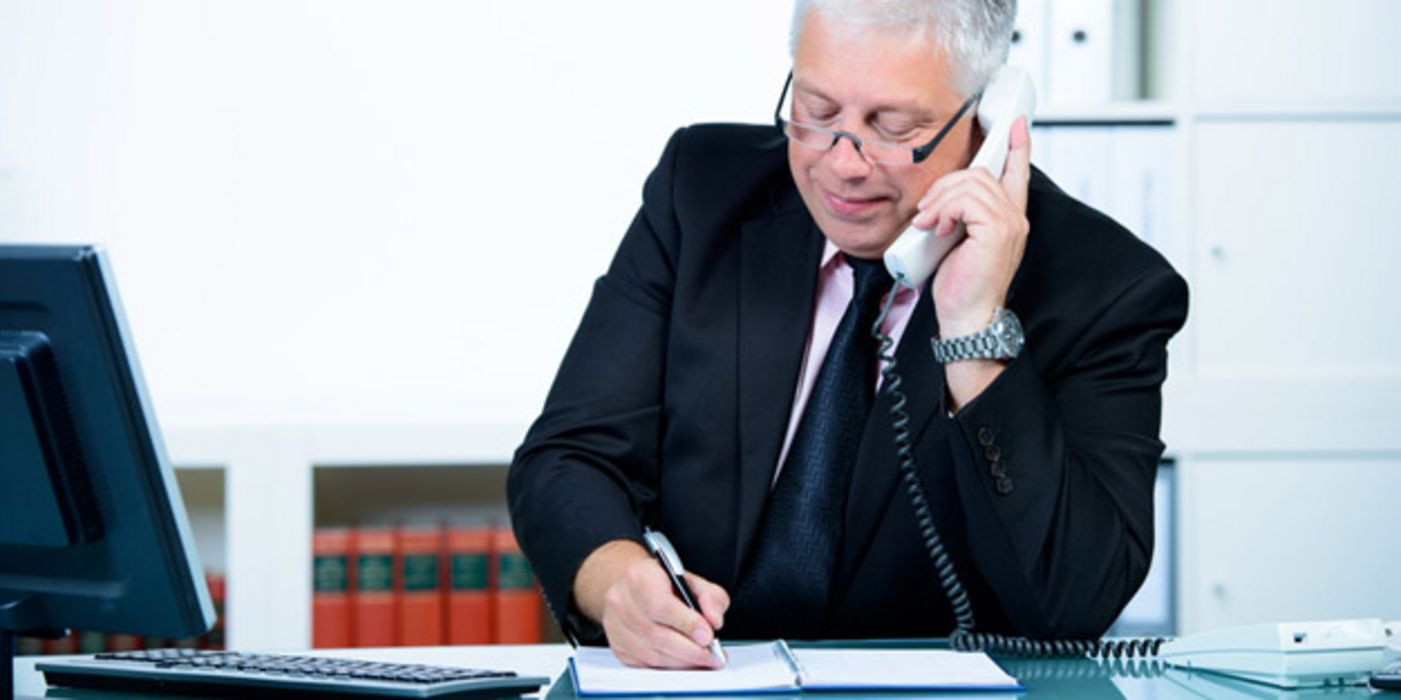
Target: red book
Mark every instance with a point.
(218, 586)
(373, 600)
(330, 598)
(91, 642)
(420, 596)
(29, 646)
(516, 602)
(469, 586)
(67, 644)
(124, 642)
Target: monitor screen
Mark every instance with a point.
(93, 533)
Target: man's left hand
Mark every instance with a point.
(972, 282)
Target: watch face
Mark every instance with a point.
(1008, 330)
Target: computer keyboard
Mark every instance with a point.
(1388, 678)
(224, 673)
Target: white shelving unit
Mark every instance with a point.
(1115, 113)
(269, 506)
(1283, 391)
(1257, 445)
(1288, 464)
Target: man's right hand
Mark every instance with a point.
(622, 586)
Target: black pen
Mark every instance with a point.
(661, 548)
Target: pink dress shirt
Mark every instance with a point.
(834, 289)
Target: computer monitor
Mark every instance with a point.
(93, 533)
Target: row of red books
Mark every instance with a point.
(90, 642)
(377, 587)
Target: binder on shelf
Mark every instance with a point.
(516, 601)
(218, 585)
(1042, 147)
(1143, 159)
(67, 644)
(330, 600)
(420, 590)
(90, 642)
(124, 642)
(1079, 159)
(1094, 51)
(373, 597)
(1125, 171)
(1029, 45)
(29, 646)
(469, 586)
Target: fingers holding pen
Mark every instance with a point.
(712, 599)
(647, 625)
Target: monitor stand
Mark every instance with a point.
(18, 615)
(7, 664)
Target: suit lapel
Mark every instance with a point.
(779, 257)
(877, 466)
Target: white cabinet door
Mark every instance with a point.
(1298, 249)
(1288, 539)
(1295, 51)
(1295, 280)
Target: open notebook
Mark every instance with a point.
(776, 668)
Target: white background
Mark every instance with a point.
(358, 212)
(362, 232)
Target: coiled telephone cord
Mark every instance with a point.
(964, 637)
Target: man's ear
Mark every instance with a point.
(975, 140)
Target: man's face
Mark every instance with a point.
(882, 84)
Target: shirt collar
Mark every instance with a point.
(831, 261)
(829, 254)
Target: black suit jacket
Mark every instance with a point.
(671, 404)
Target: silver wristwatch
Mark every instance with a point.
(1001, 340)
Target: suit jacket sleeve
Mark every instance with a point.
(586, 472)
(1065, 538)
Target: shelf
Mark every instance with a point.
(349, 445)
(409, 494)
(1288, 110)
(197, 467)
(1124, 112)
(203, 493)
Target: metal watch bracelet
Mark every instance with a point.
(1001, 340)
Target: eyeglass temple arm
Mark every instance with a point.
(778, 108)
(923, 151)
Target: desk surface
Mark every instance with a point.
(1043, 679)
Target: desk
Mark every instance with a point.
(1067, 678)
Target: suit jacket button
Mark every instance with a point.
(993, 453)
(984, 437)
(1004, 485)
(998, 471)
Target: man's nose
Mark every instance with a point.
(846, 159)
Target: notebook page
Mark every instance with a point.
(888, 669)
(751, 668)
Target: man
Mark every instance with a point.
(721, 387)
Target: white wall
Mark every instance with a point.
(321, 212)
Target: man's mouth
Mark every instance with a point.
(851, 205)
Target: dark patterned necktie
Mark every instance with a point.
(788, 580)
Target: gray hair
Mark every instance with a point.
(975, 33)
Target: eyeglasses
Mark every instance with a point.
(821, 138)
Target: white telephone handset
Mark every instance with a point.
(913, 257)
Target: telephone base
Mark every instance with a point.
(1288, 682)
(1286, 655)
